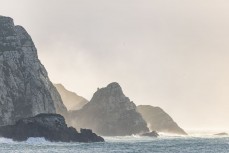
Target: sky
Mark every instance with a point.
(168, 53)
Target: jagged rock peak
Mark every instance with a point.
(111, 88)
(113, 85)
(110, 113)
(112, 93)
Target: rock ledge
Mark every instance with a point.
(50, 126)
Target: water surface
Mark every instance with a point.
(130, 144)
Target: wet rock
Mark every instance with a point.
(150, 134)
(222, 134)
(50, 126)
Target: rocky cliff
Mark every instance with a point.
(25, 89)
(158, 120)
(110, 113)
(70, 99)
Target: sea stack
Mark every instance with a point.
(110, 113)
(25, 89)
(158, 120)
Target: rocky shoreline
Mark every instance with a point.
(50, 126)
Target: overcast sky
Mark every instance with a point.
(168, 53)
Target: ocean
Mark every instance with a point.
(129, 144)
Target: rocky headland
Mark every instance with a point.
(26, 91)
(158, 120)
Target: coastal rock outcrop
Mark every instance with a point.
(158, 120)
(25, 89)
(150, 134)
(50, 126)
(70, 99)
(110, 113)
(221, 134)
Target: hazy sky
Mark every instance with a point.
(168, 53)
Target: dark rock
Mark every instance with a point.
(158, 120)
(50, 126)
(70, 99)
(222, 134)
(110, 113)
(150, 134)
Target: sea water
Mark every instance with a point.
(129, 144)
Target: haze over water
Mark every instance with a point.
(172, 54)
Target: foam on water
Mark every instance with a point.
(162, 134)
(5, 140)
(35, 141)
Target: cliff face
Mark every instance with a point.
(70, 99)
(110, 113)
(159, 120)
(25, 89)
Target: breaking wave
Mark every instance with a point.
(30, 141)
(34, 141)
(6, 141)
